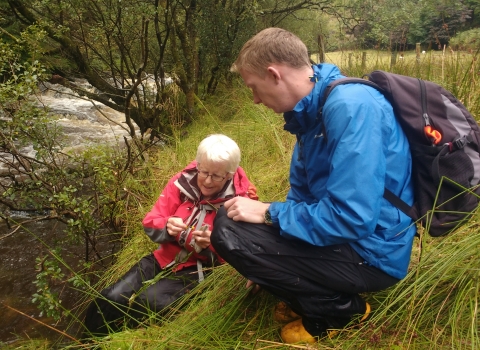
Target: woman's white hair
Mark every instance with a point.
(219, 148)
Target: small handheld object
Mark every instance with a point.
(194, 244)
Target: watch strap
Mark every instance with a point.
(267, 217)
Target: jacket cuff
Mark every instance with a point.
(273, 210)
(158, 235)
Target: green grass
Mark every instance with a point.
(456, 71)
(434, 307)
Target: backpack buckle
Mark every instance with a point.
(459, 143)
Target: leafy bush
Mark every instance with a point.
(466, 41)
(85, 190)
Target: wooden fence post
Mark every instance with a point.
(393, 59)
(417, 51)
(321, 49)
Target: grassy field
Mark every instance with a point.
(437, 62)
(458, 72)
(434, 307)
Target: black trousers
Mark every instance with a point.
(319, 283)
(118, 303)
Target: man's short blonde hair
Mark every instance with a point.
(271, 45)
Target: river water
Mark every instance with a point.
(83, 124)
(17, 273)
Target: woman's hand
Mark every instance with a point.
(202, 238)
(256, 288)
(175, 225)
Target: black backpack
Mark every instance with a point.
(444, 141)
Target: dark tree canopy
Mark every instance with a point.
(131, 50)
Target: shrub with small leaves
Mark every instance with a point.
(46, 299)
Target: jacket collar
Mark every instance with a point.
(305, 113)
(187, 184)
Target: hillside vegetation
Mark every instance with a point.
(434, 307)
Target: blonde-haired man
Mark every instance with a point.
(334, 236)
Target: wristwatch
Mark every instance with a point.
(267, 218)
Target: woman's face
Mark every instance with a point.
(212, 177)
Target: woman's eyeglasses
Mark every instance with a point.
(205, 174)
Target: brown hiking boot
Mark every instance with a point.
(366, 314)
(283, 313)
(295, 332)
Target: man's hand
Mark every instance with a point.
(175, 225)
(246, 209)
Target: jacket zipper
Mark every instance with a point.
(423, 97)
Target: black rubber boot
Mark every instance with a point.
(101, 318)
(338, 312)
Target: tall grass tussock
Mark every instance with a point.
(435, 307)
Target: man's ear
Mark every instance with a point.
(274, 73)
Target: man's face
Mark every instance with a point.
(269, 91)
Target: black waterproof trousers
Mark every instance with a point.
(319, 283)
(132, 297)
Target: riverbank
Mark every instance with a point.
(34, 233)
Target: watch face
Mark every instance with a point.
(267, 217)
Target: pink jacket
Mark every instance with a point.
(180, 198)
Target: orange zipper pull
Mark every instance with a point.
(433, 134)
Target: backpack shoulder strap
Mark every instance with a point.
(388, 195)
(343, 81)
(400, 204)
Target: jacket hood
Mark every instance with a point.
(305, 113)
(187, 184)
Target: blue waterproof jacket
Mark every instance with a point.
(337, 180)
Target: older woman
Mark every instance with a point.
(181, 221)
